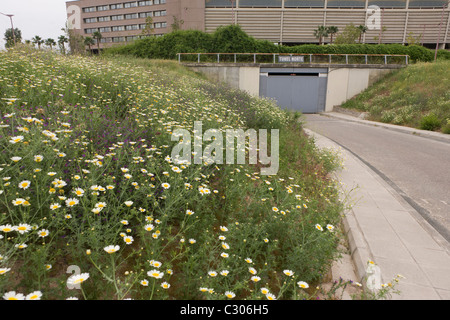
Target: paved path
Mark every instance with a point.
(383, 225)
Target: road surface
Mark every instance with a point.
(417, 167)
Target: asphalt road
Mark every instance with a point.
(417, 167)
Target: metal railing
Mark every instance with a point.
(298, 58)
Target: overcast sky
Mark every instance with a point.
(43, 18)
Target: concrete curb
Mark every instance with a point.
(359, 248)
(421, 133)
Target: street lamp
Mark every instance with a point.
(12, 26)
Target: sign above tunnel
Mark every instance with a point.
(285, 59)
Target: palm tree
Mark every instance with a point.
(362, 30)
(97, 36)
(320, 33)
(50, 42)
(62, 40)
(89, 41)
(331, 30)
(37, 40)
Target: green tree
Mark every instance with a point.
(98, 37)
(362, 29)
(148, 29)
(37, 40)
(62, 40)
(320, 33)
(9, 37)
(332, 30)
(89, 41)
(350, 34)
(177, 23)
(50, 43)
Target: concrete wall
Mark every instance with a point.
(345, 83)
(243, 78)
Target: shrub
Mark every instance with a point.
(430, 122)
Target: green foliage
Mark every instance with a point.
(233, 39)
(9, 37)
(350, 34)
(430, 122)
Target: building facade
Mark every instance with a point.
(279, 21)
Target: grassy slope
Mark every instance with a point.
(406, 96)
(116, 109)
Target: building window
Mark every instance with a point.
(346, 4)
(118, 39)
(145, 14)
(103, 8)
(304, 4)
(116, 6)
(156, 1)
(132, 27)
(90, 9)
(131, 16)
(145, 3)
(105, 29)
(130, 5)
(116, 18)
(118, 28)
(104, 19)
(90, 20)
(260, 3)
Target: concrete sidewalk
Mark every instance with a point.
(383, 227)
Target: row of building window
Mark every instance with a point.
(122, 5)
(156, 25)
(124, 39)
(160, 13)
(330, 3)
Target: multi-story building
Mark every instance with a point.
(280, 21)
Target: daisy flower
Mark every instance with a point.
(155, 274)
(189, 212)
(224, 255)
(271, 296)
(128, 203)
(255, 278)
(230, 294)
(264, 291)
(165, 185)
(212, 273)
(36, 295)
(223, 228)
(319, 227)
(24, 184)
(100, 205)
(78, 278)
(18, 201)
(252, 270)
(16, 139)
(224, 272)
(248, 260)
(144, 282)
(38, 158)
(111, 248)
(165, 285)
(22, 228)
(12, 295)
(78, 192)
(16, 159)
(128, 239)
(55, 206)
(21, 245)
(43, 233)
(289, 273)
(330, 227)
(72, 202)
(149, 227)
(4, 270)
(303, 284)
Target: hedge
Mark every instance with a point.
(232, 38)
